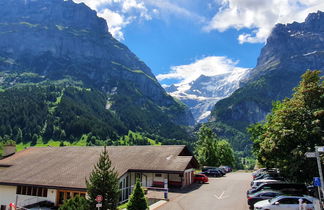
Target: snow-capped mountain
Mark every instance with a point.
(202, 94)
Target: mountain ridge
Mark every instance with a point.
(291, 49)
(203, 93)
(63, 44)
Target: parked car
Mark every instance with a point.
(265, 171)
(213, 172)
(200, 178)
(286, 202)
(289, 188)
(223, 170)
(226, 168)
(279, 178)
(258, 172)
(262, 195)
(257, 183)
(272, 175)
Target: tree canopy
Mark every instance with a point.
(294, 126)
(212, 151)
(75, 203)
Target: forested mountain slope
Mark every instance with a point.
(63, 75)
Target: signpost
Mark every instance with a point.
(319, 182)
(166, 189)
(99, 199)
(310, 154)
(320, 149)
(319, 164)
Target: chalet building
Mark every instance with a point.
(50, 175)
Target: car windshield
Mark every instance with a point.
(271, 200)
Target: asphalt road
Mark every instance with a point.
(225, 193)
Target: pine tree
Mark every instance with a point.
(103, 181)
(76, 203)
(137, 200)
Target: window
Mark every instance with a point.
(158, 175)
(18, 190)
(32, 191)
(40, 192)
(23, 191)
(29, 190)
(63, 195)
(61, 198)
(288, 201)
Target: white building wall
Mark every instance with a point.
(7, 195)
(51, 195)
(175, 177)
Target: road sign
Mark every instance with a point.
(98, 205)
(310, 154)
(317, 182)
(320, 149)
(99, 198)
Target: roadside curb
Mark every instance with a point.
(157, 204)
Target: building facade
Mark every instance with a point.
(46, 176)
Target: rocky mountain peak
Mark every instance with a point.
(59, 39)
(295, 39)
(64, 13)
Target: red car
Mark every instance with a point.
(200, 178)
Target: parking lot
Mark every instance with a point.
(225, 193)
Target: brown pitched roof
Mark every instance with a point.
(68, 167)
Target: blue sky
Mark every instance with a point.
(183, 39)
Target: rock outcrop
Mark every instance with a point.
(291, 49)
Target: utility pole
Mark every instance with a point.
(319, 164)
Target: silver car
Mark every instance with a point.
(286, 203)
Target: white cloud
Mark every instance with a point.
(208, 66)
(169, 7)
(123, 13)
(120, 13)
(115, 24)
(260, 15)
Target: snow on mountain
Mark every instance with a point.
(202, 94)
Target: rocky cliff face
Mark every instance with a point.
(202, 94)
(59, 39)
(290, 50)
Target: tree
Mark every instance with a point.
(76, 203)
(206, 147)
(34, 139)
(103, 181)
(226, 153)
(18, 136)
(137, 200)
(294, 126)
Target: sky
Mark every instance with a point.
(183, 39)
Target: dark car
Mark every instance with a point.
(227, 168)
(213, 172)
(262, 195)
(266, 175)
(289, 188)
(222, 170)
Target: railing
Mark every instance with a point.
(30, 201)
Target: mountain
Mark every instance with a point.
(60, 69)
(290, 50)
(202, 94)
